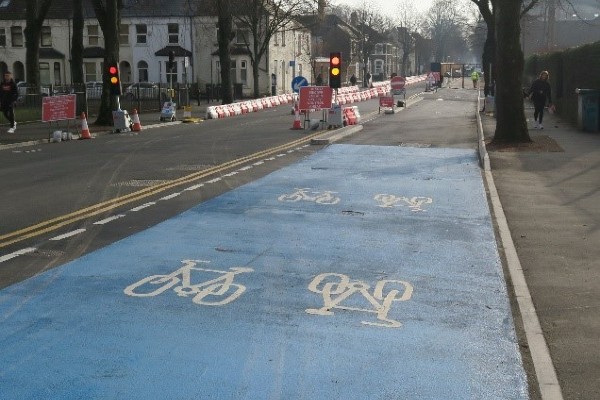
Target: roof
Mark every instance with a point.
(63, 9)
(177, 50)
(50, 53)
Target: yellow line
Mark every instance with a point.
(58, 222)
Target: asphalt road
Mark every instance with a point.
(233, 259)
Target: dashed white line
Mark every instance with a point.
(68, 234)
(17, 254)
(231, 173)
(138, 208)
(281, 155)
(171, 196)
(194, 187)
(258, 163)
(246, 168)
(214, 180)
(109, 219)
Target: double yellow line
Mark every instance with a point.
(67, 219)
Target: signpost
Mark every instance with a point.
(58, 108)
(315, 98)
(299, 82)
(398, 82)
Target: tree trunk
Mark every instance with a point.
(511, 126)
(77, 43)
(109, 18)
(36, 14)
(224, 39)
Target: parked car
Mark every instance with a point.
(93, 89)
(144, 90)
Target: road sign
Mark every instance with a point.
(398, 82)
(298, 82)
(58, 108)
(315, 97)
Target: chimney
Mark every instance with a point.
(321, 8)
(354, 19)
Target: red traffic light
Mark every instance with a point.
(335, 70)
(113, 80)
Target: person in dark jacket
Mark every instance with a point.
(539, 93)
(8, 96)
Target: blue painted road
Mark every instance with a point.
(362, 272)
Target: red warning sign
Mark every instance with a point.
(58, 108)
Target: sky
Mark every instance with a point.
(386, 6)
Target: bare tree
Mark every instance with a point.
(224, 37)
(511, 126)
(108, 13)
(486, 8)
(264, 19)
(36, 14)
(445, 22)
(408, 22)
(77, 43)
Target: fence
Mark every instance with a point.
(144, 97)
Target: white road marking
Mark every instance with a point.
(194, 187)
(169, 197)
(214, 180)
(68, 234)
(109, 219)
(17, 254)
(138, 208)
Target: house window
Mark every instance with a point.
(16, 36)
(93, 36)
(299, 49)
(283, 37)
(46, 37)
(232, 72)
(300, 69)
(124, 35)
(141, 32)
(2, 37)
(44, 73)
(171, 74)
(142, 68)
(378, 67)
(276, 35)
(241, 37)
(244, 73)
(173, 33)
(57, 80)
(89, 69)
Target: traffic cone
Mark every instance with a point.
(85, 131)
(297, 124)
(136, 122)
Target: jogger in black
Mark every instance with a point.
(8, 96)
(540, 92)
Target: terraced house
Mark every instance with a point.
(149, 31)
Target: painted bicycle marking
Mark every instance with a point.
(414, 203)
(213, 292)
(305, 194)
(335, 288)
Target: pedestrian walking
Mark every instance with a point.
(353, 80)
(539, 93)
(475, 78)
(319, 80)
(8, 97)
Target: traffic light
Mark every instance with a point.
(114, 81)
(335, 70)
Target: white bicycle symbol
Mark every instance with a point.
(220, 287)
(325, 197)
(414, 203)
(335, 288)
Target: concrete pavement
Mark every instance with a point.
(550, 196)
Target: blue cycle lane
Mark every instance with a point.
(361, 272)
